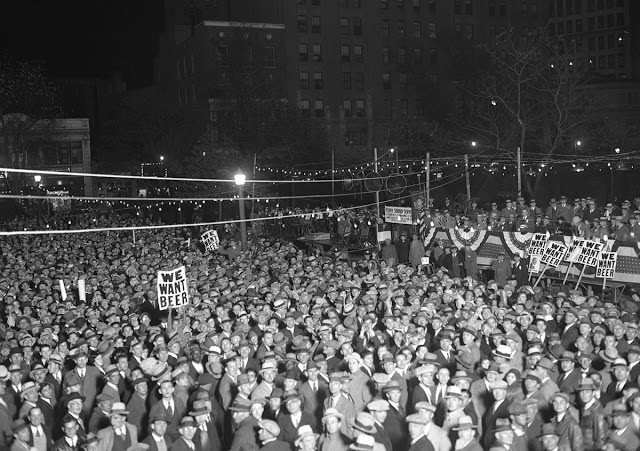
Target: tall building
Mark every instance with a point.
(605, 36)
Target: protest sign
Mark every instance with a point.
(574, 249)
(82, 292)
(553, 254)
(173, 290)
(63, 290)
(383, 236)
(606, 267)
(538, 244)
(210, 240)
(534, 263)
(589, 253)
(398, 215)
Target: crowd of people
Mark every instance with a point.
(280, 350)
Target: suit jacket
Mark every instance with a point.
(62, 445)
(49, 414)
(92, 380)
(489, 422)
(348, 410)
(138, 414)
(423, 444)
(594, 426)
(289, 432)
(569, 431)
(481, 398)
(631, 441)
(227, 391)
(153, 446)
(178, 412)
(244, 439)
(404, 389)
(312, 402)
(569, 383)
(212, 438)
(276, 445)
(420, 393)
(179, 445)
(396, 427)
(105, 436)
(612, 392)
(360, 390)
(634, 373)
(382, 436)
(568, 338)
(98, 420)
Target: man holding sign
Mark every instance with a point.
(173, 290)
(552, 256)
(210, 240)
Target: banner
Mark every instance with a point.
(173, 291)
(538, 244)
(398, 215)
(210, 240)
(589, 253)
(607, 265)
(574, 249)
(553, 254)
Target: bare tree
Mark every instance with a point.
(531, 96)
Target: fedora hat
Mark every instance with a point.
(364, 422)
(464, 422)
(332, 412)
(391, 386)
(118, 408)
(503, 351)
(304, 431)
(200, 408)
(586, 384)
(364, 442)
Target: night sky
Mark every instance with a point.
(84, 38)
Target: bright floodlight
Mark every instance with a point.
(240, 179)
(578, 143)
(37, 178)
(161, 157)
(617, 149)
(392, 150)
(474, 144)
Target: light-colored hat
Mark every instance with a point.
(378, 405)
(118, 408)
(270, 426)
(305, 431)
(464, 422)
(332, 412)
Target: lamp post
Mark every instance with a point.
(240, 179)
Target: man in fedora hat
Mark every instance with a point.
(454, 408)
(419, 441)
(100, 416)
(592, 421)
(89, 380)
(295, 417)
(169, 406)
(158, 440)
(543, 370)
(466, 431)
(566, 425)
(340, 401)
(268, 433)
(313, 392)
(436, 435)
(332, 438)
(620, 428)
(378, 409)
(268, 373)
(394, 423)
(549, 438)
(306, 440)
(244, 437)
(187, 429)
(138, 405)
(207, 435)
(620, 381)
(120, 435)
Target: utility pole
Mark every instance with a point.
(466, 173)
(427, 185)
(333, 176)
(375, 168)
(519, 162)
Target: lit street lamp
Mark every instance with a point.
(240, 178)
(37, 178)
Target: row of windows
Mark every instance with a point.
(343, 3)
(432, 55)
(268, 56)
(559, 8)
(415, 4)
(355, 107)
(593, 23)
(594, 43)
(347, 25)
(607, 62)
(432, 29)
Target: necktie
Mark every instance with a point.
(313, 387)
(170, 409)
(204, 438)
(294, 420)
(37, 433)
